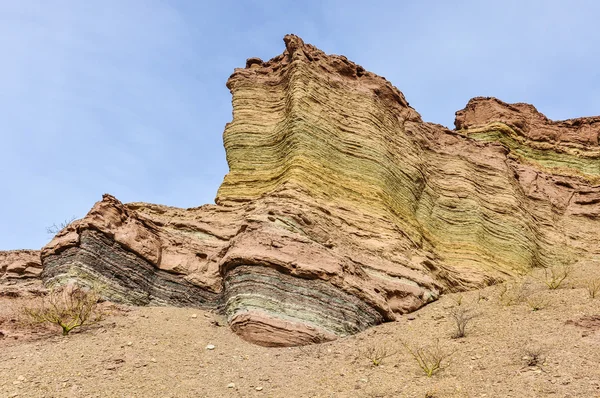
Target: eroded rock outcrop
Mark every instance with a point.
(20, 264)
(343, 209)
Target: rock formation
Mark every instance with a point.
(342, 209)
(20, 264)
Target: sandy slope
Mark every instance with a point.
(161, 352)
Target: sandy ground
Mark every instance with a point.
(161, 352)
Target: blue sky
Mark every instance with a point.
(129, 97)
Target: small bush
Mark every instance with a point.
(514, 293)
(70, 307)
(461, 316)
(534, 356)
(555, 276)
(376, 354)
(429, 359)
(593, 287)
(537, 302)
(54, 229)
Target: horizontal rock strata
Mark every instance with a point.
(20, 264)
(342, 209)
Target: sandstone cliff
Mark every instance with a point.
(343, 209)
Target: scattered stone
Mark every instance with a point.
(194, 316)
(231, 385)
(259, 388)
(210, 347)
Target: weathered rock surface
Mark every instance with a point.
(20, 264)
(343, 209)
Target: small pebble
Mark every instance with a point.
(194, 316)
(210, 347)
(258, 388)
(231, 385)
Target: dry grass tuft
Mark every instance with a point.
(534, 356)
(461, 316)
(430, 358)
(513, 293)
(538, 302)
(376, 354)
(593, 287)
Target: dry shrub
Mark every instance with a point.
(461, 316)
(534, 356)
(70, 307)
(538, 302)
(376, 354)
(513, 293)
(593, 287)
(554, 277)
(54, 228)
(429, 358)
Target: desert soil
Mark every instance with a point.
(162, 352)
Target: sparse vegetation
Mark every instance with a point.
(377, 353)
(554, 277)
(430, 359)
(538, 302)
(593, 287)
(70, 307)
(54, 229)
(534, 356)
(514, 293)
(461, 316)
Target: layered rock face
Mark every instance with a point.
(343, 209)
(20, 264)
